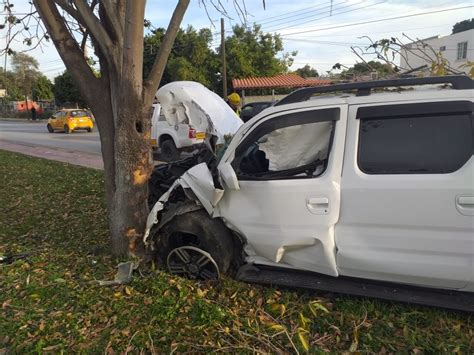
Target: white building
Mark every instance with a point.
(457, 48)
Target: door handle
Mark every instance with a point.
(318, 205)
(318, 201)
(465, 205)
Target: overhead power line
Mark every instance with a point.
(286, 17)
(330, 43)
(380, 20)
(313, 17)
(305, 9)
(376, 33)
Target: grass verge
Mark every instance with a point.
(57, 211)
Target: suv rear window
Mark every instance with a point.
(420, 143)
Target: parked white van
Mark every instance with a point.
(363, 188)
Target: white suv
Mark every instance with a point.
(360, 191)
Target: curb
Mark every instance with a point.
(87, 160)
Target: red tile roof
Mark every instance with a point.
(278, 81)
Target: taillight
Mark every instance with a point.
(191, 132)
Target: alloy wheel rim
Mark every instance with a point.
(193, 263)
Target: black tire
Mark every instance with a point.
(89, 130)
(168, 150)
(50, 128)
(201, 231)
(66, 129)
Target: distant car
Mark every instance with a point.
(69, 120)
(252, 109)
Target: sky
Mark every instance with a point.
(322, 37)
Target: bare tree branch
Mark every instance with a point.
(69, 51)
(96, 30)
(156, 72)
(111, 11)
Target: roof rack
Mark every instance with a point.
(458, 82)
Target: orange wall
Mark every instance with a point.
(20, 106)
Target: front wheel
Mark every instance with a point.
(196, 246)
(67, 130)
(50, 128)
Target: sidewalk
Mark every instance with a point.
(87, 160)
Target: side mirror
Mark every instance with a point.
(228, 176)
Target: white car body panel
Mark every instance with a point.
(276, 218)
(199, 180)
(404, 227)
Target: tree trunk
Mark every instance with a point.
(126, 152)
(133, 164)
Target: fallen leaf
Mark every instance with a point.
(277, 327)
(302, 337)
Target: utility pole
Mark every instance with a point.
(224, 66)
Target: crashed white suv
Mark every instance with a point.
(362, 191)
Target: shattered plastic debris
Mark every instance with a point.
(123, 275)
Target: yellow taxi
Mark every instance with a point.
(69, 120)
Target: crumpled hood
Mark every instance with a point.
(191, 102)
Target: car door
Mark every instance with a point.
(63, 119)
(408, 194)
(288, 168)
(54, 119)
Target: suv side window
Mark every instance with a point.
(430, 138)
(295, 145)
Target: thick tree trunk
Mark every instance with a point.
(126, 152)
(133, 164)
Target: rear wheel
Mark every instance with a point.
(50, 128)
(89, 129)
(196, 246)
(168, 149)
(67, 130)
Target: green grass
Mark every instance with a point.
(57, 211)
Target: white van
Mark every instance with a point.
(341, 188)
(184, 113)
(172, 139)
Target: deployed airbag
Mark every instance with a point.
(294, 146)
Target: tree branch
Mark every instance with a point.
(66, 6)
(92, 23)
(156, 73)
(133, 45)
(67, 46)
(113, 17)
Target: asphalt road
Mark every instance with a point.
(35, 134)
